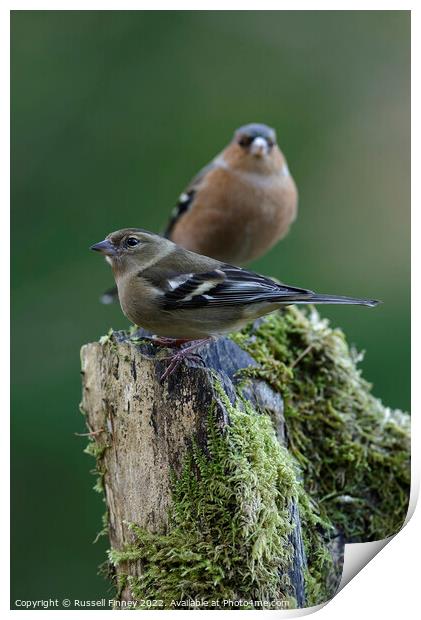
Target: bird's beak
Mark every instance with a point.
(105, 247)
(259, 147)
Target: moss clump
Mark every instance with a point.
(353, 451)
(230, 524)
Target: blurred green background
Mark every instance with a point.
(112, 114)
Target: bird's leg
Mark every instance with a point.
(176, 358)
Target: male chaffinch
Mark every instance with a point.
(181, 295)
(239, 205)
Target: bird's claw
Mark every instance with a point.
(183, 354)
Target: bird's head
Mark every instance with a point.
(131, 248)
(255, 139)
(254, 149)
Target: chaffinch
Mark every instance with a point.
(238, 206)
(181, 295)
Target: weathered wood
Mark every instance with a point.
(148, 427)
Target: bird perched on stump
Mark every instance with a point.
(239, 205)
(182, 296)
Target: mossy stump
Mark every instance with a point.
(236, 482)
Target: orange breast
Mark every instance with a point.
(237, 217)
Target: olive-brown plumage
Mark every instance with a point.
(179, 294)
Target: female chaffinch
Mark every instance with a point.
(180, 295)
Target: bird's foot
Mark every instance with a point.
(187, 353)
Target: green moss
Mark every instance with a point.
(230, 524)
(353, 451)
(95, 449)
(108, 337)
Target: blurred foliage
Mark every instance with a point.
(112, 113)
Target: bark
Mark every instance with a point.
(148, 427)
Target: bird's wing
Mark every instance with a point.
(227, 286)
(185, 200)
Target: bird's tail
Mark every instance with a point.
(110, 296)
(336, 299)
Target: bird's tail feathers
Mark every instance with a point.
(110, 296)
(336, 299)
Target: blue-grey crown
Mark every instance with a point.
(255, 130)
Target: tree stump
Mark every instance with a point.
(207, 505)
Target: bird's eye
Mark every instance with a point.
(132, 241)
(245, 141)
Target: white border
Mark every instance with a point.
(387, 585)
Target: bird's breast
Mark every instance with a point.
(238, 216)
(137, 299)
